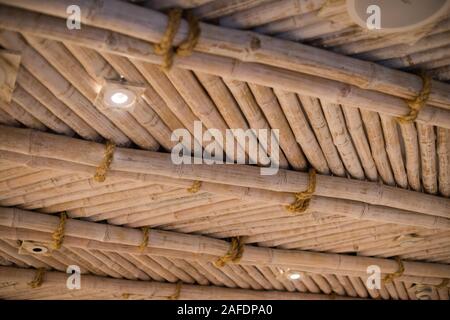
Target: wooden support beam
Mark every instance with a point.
(123, 289)
(86, 234)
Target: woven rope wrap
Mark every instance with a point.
(443, 284)
(58, 234)
(302, 199)
(165, 48)
(102, 169)
(419, 102)
(234, 254)
(38, 278)
(195, 187)
(176, 295)
(145, 234)
(391, 276)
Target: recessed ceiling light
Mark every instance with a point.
(119, 95)
(293, 275)
(118, 98)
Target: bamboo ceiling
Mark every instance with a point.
(383, 186)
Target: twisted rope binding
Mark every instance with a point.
(38, 278)
(187, 46)
(176, 295)
(419, 102)
(100, 172)
(443, 284)
(234, 253)
(195, 187)
(145, 235)
(165, 48)
(391, 276)
(302, 199)
(58, 234)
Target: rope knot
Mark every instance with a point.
(419, 102)
(195, 187)
(391, 276)
(100, 172)
(38, 278)
(302, 199)
(234, 253)
(58, 234)
(145, 236)
(165, 48)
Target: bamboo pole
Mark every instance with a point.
(6, 119)
(303, 134)
(36, 89)
(268, 103)
(39, 111)
(219, 8)
(15, 111)
(377, 145)
(59, 57)
(15, 218)
(427, 144)
(341, 138)
(315, 115)
(127, 161)
(393, 149)
(62, 88)
(356, 129)
(150, 25)
(268, 12)
(443, 151)
(409, 135)
(227, 67)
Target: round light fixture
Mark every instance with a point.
(119, 98)
(37, 249)
(293, 275)
(397, 15)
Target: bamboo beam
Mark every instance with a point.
(84, 234)
(55, 280)
(246, 46)
(90, 154)
(265, 75)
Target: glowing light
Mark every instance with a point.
(294, 276)
(119, 98)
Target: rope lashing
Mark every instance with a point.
(102, 169)
(234, 253)
(164, 47)
(38, 278)
(443, 284)
(417, 103)
(176, 295)
(145, 235)
(195, 187)
(302, 199)
(391, 276)
(58, 234)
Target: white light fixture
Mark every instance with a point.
(34, 248)
(294, 275)
(398, 15)
(119, 95)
